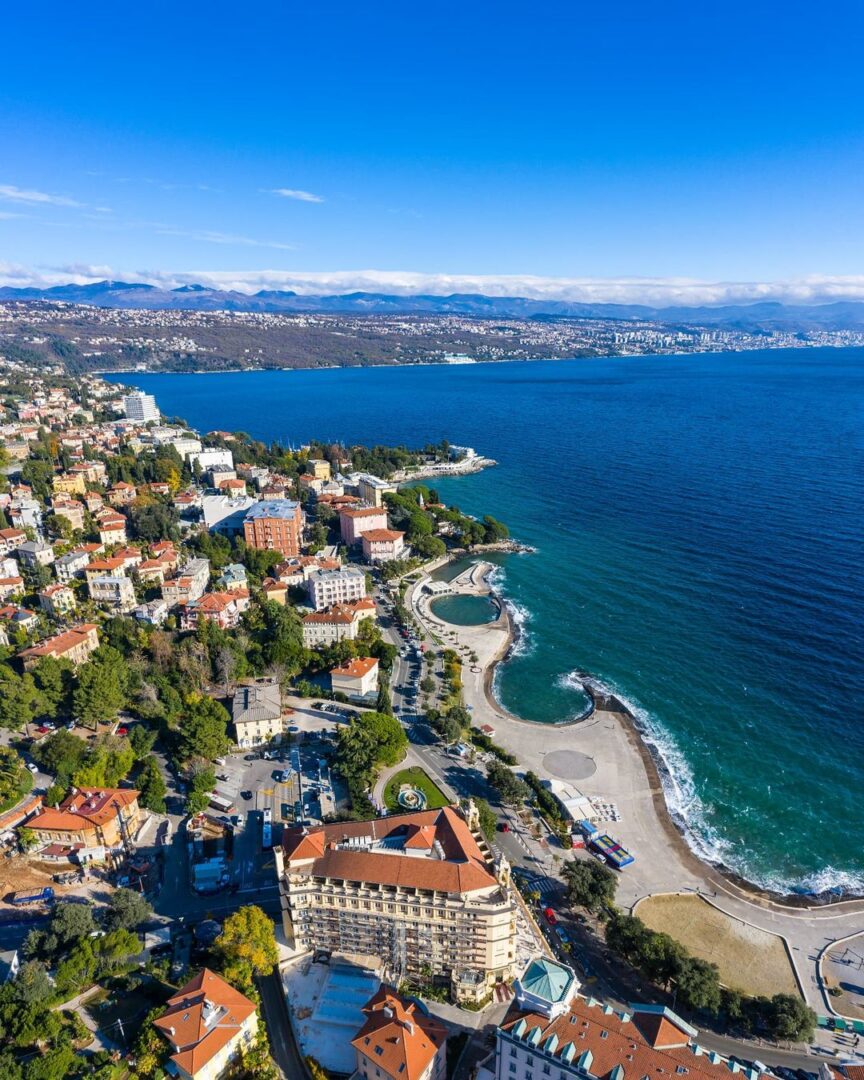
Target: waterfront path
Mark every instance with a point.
(625, 776)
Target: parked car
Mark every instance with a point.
(503, 826)
(32, 767)
(318, 705)
(247, 795)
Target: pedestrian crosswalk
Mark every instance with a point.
(541, 883)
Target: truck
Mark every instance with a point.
(617, 856)
(222, 802)
(33, 896)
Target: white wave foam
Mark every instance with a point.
(690, 813)
(679, 786)
(570, 681)
(520, 616)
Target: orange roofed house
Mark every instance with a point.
(399, 1041)
(420, 892)
(357, 678)
(208, 1023)
(92, 817)
(75, 645)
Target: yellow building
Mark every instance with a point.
(420, 892)
(319, 468)
(69, 484)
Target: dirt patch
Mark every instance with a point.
(749, 959)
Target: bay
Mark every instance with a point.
(697, 525)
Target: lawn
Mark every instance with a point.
(749, 959)
(417, 778)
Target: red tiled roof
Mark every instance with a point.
(207, 997)
(382, 535)
(462, 868)
(356, 668)
(96, 806)
(642, 1043)
(398, 1036)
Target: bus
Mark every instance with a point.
(222, 802)
(267, 829)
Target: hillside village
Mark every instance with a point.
(210, 679)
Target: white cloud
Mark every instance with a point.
(294, 193)
(11, 193)
(8, 215)
(660, 292)
(211, 236)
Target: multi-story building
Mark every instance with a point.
(112, 530)
(225, 514)
(33, 553)
(122, 494)
(70, 509)
(98, 816)
(57, 600)
(141, 407)
(189, 584)
(399, 1041)
(74, 645)
(338, 623)
(256, 712)
(74, 564)
(116, 593)
(420, 892)
(372, 489)
(11, 540)
(357, 678)
(382, 545)
(329, 587)
(208, 1024)
(113, 566)
(212, 455)
(552, 1031)
(319, 468)
(353, 523)
(222, 608)
(274, 525)
(71, 483)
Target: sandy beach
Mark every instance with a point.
(603, 756)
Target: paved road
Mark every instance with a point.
(282, 1043)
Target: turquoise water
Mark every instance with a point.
(465, 610)
(697, 525)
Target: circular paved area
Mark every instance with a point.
(569, 764)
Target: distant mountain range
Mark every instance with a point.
(842, 315)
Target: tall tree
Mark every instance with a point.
(247, 945)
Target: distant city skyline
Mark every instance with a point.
(671, 156)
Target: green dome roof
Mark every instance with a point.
(545, 979)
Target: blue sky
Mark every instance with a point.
(662, 141)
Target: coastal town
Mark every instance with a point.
(130, 338)
(262, 815)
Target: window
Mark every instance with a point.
(512, 1051)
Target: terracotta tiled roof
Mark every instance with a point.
(94, 807)
(400, 1038)
(364, 511)
(355, 669)
(201, 1018)
(644, 1043)
(60, 643)
(460, 866)
(382, 536)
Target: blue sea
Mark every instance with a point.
(697, 523)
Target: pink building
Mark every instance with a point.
(381, 545)
(356, 522)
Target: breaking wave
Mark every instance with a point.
(690, 813)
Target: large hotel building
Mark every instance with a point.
(274, 525)
(419, 892)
